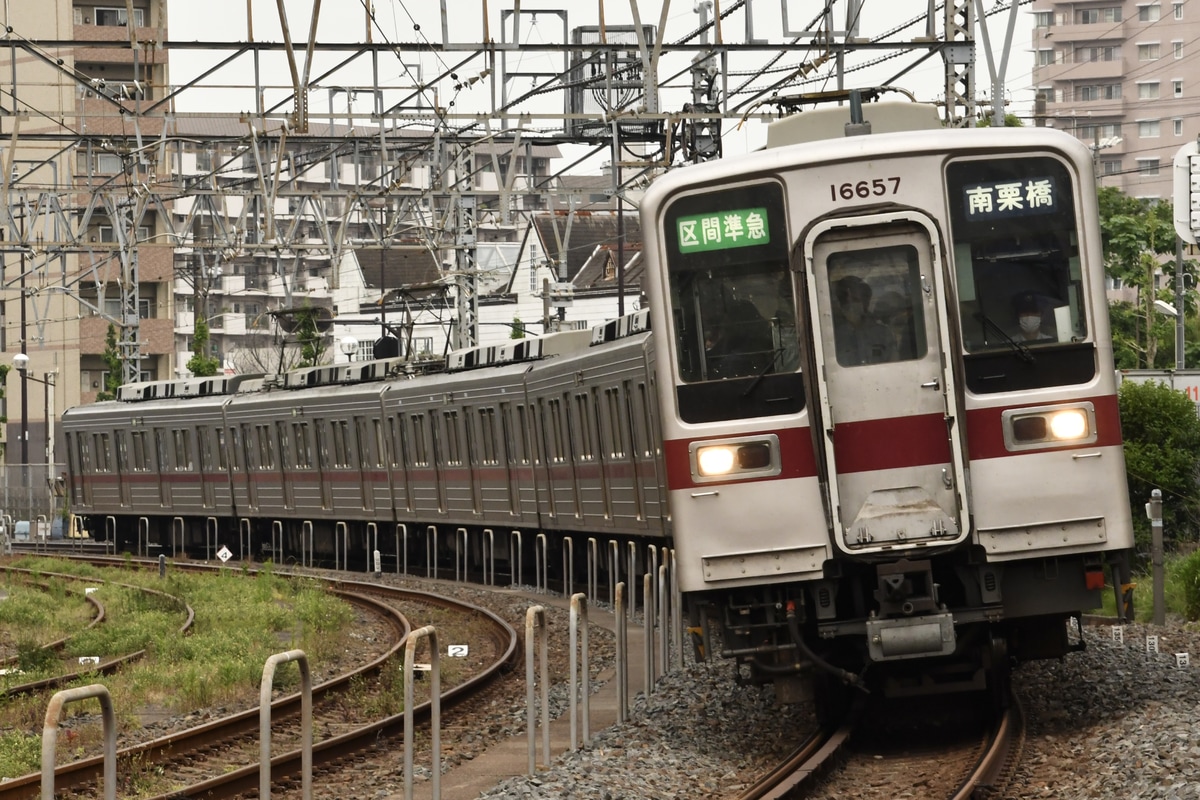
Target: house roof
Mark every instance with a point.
(411, 269)
(587, 231)
(600, 271)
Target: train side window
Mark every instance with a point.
(585, 427)
(234, 450)
(82, 453)
(103, 454)
(266, 447)
(341, 457)
(526, 452)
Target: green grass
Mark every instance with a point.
(240, 621)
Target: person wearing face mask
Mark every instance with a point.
(858, 336)
(1030, 319)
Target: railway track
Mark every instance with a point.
(221, 758)
(957, 767)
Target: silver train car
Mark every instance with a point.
(876, 417)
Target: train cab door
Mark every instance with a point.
(890, 417)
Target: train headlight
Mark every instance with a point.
(1026, 428)
(750, 456)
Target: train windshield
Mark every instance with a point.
(732, 302)
(1016, 255)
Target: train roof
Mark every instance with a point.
(514, 351)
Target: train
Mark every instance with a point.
(869, 408)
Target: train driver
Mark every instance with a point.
(1030, 319)
(858, 336)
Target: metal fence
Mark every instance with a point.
(32, 492)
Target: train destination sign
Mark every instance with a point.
(723, 230)
(1003, 199)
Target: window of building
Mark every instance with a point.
(1148, 90)
(1178, 10)
(1148, 13)
(1147, 166)
(1177, 87)
(1147, 128)
(1045, 58)
(1177, 49)
(1095, 16)
(1177, 124)
(118, 16)
(1110, 166)
(1043, 19)
(1149, 51)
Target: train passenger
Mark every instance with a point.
(859, 337)
(1030, 319)
(895, 311)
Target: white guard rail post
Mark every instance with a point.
(461, 550)
(514, 557)
(210, 535)
(535, 628)
(373, 563)
(435, 701)
(243, 539)
(341, 531)
(143, 536)
(568, 566)
(401, 548)
(664, 640)
(277, 541)
(593, 566)
(431, 551)
(308, 544)
(50, 736)
(177, 526)
(489, 557)
(541, 557)
(676, 608)
(264, 723)
(648, 608)
(579, 657)
(622, 654)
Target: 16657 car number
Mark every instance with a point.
(861, 190)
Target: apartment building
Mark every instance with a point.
(1123, 77)
(70, 206)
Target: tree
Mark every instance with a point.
(1010, 121)
(202, 364)
(1162, 451)
(518, 329)
(1137, 235)
(312, 342)
(116, 367)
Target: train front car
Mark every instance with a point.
(889, 409)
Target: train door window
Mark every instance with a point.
(235, 450)
(878, 313)
(1020, 285)
(85, 456)
(341, 446)
(285, 447)
(585, 422)
(525, 452)
(420, 441)
(362, 441)
(249, 445)
(161, 451)
(137, 440)
(396, 431)
(122, 452)
(219, 442)
(614, 444)
(303, 445)
(555, 432)
(452, 451)
(103, 454)
(203, 451)
(266, 447)
(379, 441)
(182, 445)
(487, 436)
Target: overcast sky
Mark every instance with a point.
(415, 21)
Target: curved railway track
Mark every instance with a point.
(221, 758)
(107, 666)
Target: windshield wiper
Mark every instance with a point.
(1017, 347)
(758, 378)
